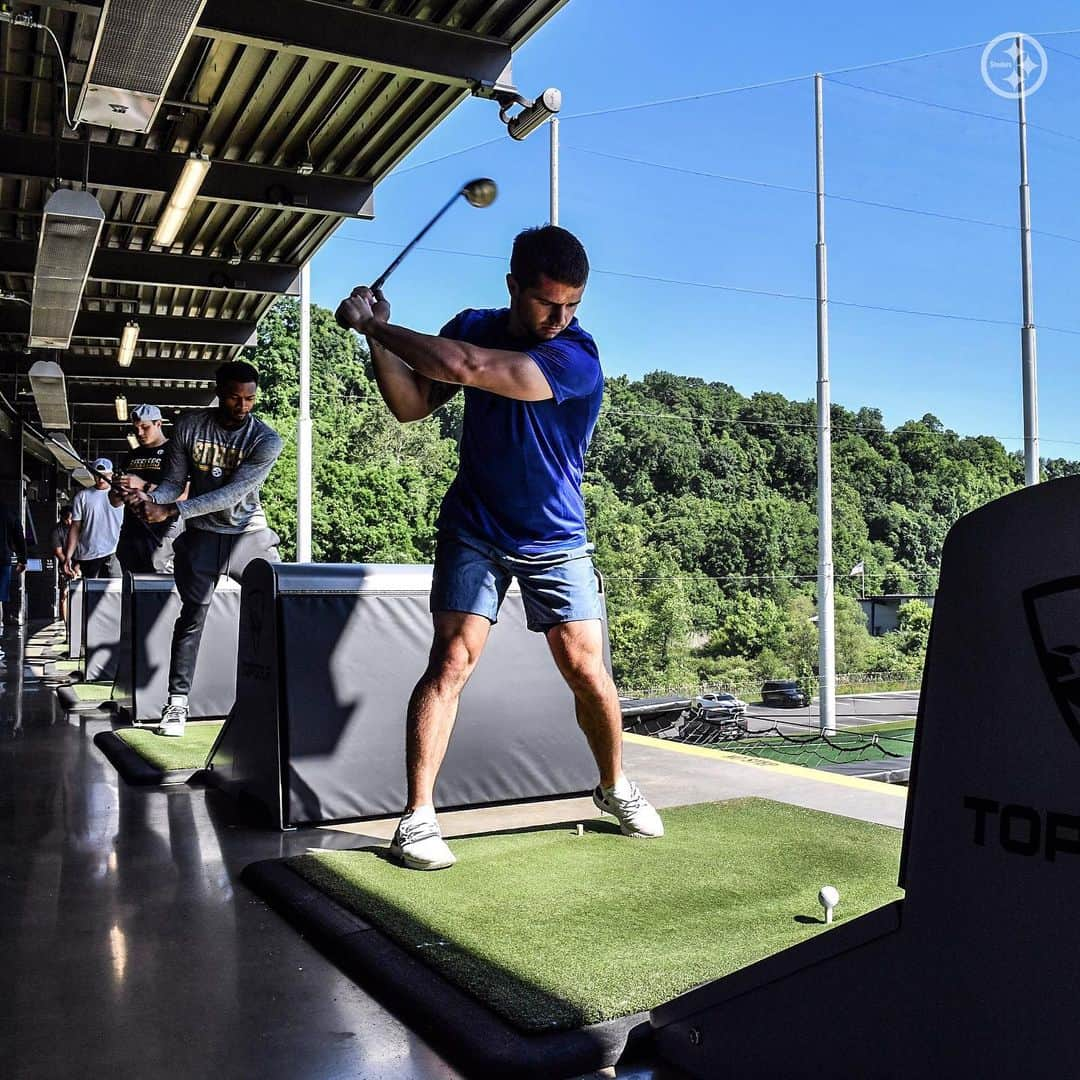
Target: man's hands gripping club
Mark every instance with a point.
(362, 307)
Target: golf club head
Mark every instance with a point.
(480, 192)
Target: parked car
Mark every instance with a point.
(718, 707)
(784, 692)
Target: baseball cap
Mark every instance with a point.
(145, 413)
(102, 465)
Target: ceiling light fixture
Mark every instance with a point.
(180, 201)
(129, 336)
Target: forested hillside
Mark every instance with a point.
(701, 503)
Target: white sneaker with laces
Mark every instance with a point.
(636, 815)
(173, 718)
(418, 843)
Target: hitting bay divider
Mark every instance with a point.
(150, 605)
(560, 933)
(101, 628)
(974, 972)
(328, 655)
(76, 596)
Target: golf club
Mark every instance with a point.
(480, 192)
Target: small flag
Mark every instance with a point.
(857, 569)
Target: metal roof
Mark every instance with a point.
(265, 89)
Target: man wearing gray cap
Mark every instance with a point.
(146, 548)
(95, 527)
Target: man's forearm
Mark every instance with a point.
(434, 357)
(72, 542)
(408, 394)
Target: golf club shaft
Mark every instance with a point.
(381, 279)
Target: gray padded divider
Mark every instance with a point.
(101, 619)
(76, 598)
(150, 607)
(328, 657)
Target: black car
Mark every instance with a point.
(783, 692)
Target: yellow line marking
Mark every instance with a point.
(782, 767)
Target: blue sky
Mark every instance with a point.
(658, 217)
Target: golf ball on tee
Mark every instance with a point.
(828, 898)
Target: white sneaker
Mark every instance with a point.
(418, 843)
(173, 718)
(637, 816)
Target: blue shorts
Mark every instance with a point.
(472, 576)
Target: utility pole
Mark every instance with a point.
(826, 635)
(1027, 331)
(303, 424)
(553, 215)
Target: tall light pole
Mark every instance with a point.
(1027, 331)
(826, 625)
(553, 215)
(303, 424)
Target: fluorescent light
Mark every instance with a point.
(128, 337)
(187, 187)
(132, 441)
(121, 407)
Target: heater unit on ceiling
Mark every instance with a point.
(137, 48)
(70, 228)
(50, 394)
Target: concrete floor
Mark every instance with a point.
(130, 948)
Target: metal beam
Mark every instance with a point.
(90, 398)
(160, 269)
(148, 172)
(103, 367)
(108, 325)
(368, 39)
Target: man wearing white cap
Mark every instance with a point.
(95, 527)
(146, 548)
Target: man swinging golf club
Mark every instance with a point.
(533, 388)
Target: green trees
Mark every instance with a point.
(701, 503)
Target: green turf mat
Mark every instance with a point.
(171, 754)
(68, 665)
(813, 749)
(92, 691)
(556, 931)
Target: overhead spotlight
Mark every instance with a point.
(136, 51)
(132, 441)
(50, 394)
(180, 201)
(129, 336)
(533, 113)
(121, 407)
(70, 227)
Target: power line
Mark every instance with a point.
(810, 191)
(741, 290)
(951, 108)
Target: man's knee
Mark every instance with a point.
(452, 662)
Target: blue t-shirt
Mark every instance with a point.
(519, 481)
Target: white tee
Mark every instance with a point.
(101, 523)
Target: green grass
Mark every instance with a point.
(92, 691)
(171, 754)
(556, 931)
(811, 750)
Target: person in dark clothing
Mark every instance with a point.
(227, 453)
(144, 548)
(58, 547)
(12, 558)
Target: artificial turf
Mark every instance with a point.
(889, 740)
(556, 931)
(92, 691)
(171, 754)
